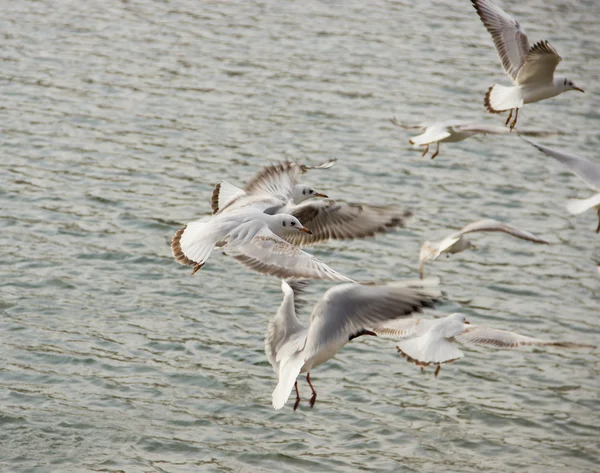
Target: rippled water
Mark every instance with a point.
(118, 117)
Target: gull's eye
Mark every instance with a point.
(311, 191)
(303, 191)
(293, 223)
(284, 224)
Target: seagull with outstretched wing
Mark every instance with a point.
(432, 341)
(457, 243)
(531, 68)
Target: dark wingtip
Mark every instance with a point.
(214, 200)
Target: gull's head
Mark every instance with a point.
(302, 192)
(458, 317)
(567, 84)
(289, 223)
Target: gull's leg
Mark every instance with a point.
(426, 150)
(313, 398)
(297, 396)
(509, 117)
(437, 151)
(512, 125)
(437, 370)
(598, 229)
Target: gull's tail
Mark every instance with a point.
(288, 372)
(500, 98)
(577, 206)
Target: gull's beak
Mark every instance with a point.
(325, 196)
(305, 230)
(579, 89)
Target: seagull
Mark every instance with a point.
(275, 183)
(457, 243)
(531, 68)
(451, 131)
(588, 171)
(275, 191)
(430, 341)
(253, 238)
(345, 312)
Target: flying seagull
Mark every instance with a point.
(531, 68)
(344, 313)
(457, 243)
(253, 238)
(432, 341)
(451, 131)
(275, 190)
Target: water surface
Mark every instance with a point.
(118, 117)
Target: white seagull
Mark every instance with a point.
(274, 186)
(457, 243)
(253, 238)
(588, 171)
(275, 191)
(451, 131)
(344, 313)
(530, 67)
(431, 341)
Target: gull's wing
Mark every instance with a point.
(348, 309)
(509, 38)
(480, 335)
(421, 126)
(539, 65)
(268, 254)
(485, 129)
(339, 220)
(285, 325)
(489, 225)
(277, 180)
(404, 328)
(587, 170)
(482, 129)
(324, 165)
(224, 194)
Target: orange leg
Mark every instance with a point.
(512, 125)
(426, 150)
(297, 396)
(437, 151)
(313, 398)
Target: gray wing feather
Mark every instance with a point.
(540, 64)
(480, 335)
(329, 219)
(347, 309)
(509, 38)
(588, 171)
(489, 225)
(268, 254)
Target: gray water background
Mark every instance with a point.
(117, 119)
